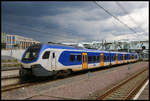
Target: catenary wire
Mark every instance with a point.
(114, 16)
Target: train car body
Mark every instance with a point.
(46, 60)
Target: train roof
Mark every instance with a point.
(77, 48)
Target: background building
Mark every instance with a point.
(141, 47)
(16, 41)
(3, 40)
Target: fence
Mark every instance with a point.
(13, 53)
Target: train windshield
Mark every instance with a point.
(32, 53)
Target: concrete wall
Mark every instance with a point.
(13, 53)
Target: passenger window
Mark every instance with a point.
(98, 58)
(46, 55)
(108, 58)
(72, 58)
(104, 58)
(94, 58)
(132, 57)
(78, 57)
(114, 57)
(89, 59)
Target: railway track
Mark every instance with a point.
(9, 68)
(126, 89)
(9, 80)
(16, 82)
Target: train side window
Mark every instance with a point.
(132, 57)
(78, 57)
(98, 58)
(104, 58)
(108, 58)
(53, 55)
(46, 55)
(89, 59)
(120, 57)
(94, 58)
(72, 58)
(114, 57)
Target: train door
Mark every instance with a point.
(102, 59)
(45, 59)
(123, 58)
(116, 58)
(84, 61)
(53, 60)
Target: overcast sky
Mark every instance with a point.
(81, 21)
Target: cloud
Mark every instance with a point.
(74, 21)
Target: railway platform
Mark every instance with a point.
(143, 94)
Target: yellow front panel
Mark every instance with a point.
(84, 60)
(116, 58)
(102, 61)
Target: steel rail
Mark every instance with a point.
(116, 87)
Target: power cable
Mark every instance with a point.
(114, 16)
(125, 11)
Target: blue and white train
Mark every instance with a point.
(43, 60)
